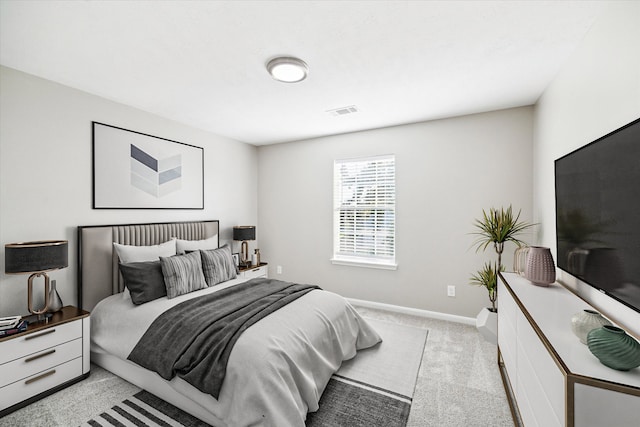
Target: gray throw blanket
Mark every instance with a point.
(194, 339)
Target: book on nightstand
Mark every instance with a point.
(16, 329)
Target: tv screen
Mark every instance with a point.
(598, 214)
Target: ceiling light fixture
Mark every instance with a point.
(288, 69)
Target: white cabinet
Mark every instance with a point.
(554, 379)
(44, 358)
(253, 272)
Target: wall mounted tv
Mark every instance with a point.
(598, 214)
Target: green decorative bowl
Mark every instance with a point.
(614, 348)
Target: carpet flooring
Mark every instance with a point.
(458, 383)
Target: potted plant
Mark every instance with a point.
(488, 277)
(487, 319)
(496, 228)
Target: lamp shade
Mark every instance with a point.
(244, 232)
(33, 257)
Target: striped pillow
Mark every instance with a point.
(182, 274)
(218, 265)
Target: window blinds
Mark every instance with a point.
(364, 209)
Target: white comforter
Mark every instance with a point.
(278, 368)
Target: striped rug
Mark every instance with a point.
(373, 389)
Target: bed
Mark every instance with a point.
(278, 367)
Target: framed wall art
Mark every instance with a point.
(133, 170)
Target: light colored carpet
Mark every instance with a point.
(458, 383)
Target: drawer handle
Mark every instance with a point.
(39, 377)
(32, 336)
(46, 353)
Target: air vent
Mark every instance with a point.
(343, 111)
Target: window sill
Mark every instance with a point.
(355, 262)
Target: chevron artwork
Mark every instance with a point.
(154, 176)
(133, 170)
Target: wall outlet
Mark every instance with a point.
(451, 291)
(279, 269)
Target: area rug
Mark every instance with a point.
(373, 389)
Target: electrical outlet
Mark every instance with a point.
(451, 291)
(279, 269)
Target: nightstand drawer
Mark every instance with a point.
(39, 362)
(40, 382)
(39, 340)
(255, 272)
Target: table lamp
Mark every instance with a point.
(244, 233)
(36, 258)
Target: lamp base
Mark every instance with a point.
(37, 318)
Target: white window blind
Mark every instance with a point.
(364, 211)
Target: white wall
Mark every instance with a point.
(447, 171)
(46, 173)
(596, 92)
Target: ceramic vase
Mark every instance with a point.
(614, 348)
(585, 321)
(54, 302)
(540, 269)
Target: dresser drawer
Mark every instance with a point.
(39, 340)
(255, 272)
(40, 382)
(40, 361)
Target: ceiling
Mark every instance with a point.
(202, 63)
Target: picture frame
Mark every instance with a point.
(236, 259)
(134, 170)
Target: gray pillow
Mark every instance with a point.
(144, 281)
(182, 274)
(218, 265)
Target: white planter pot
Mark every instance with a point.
(487, 325)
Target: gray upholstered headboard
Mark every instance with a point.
(98, 275)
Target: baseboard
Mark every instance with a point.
(414, 311)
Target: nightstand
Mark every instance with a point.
(44, 359)
(254, 271)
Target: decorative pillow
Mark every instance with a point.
(218, 265)
(144, 280)
(182, 246)
(182, 274)
(129, 253)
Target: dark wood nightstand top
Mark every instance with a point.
(65, 315)
(251, 267)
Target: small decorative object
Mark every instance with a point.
(55, 302)
(585, 321)
(36, 258)
(257, 256)
(244, 233)
(236, 259)
(614, 348)
(520, 259)
(540, 270)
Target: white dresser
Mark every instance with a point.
(254, 271)
(44, 358)
(554, 379)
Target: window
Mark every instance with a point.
(364, 218)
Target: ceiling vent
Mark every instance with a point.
(343, 111)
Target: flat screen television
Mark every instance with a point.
(598, 214)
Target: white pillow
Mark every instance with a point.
(194, 245)
(129, 253)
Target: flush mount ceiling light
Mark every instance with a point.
(288, 69)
